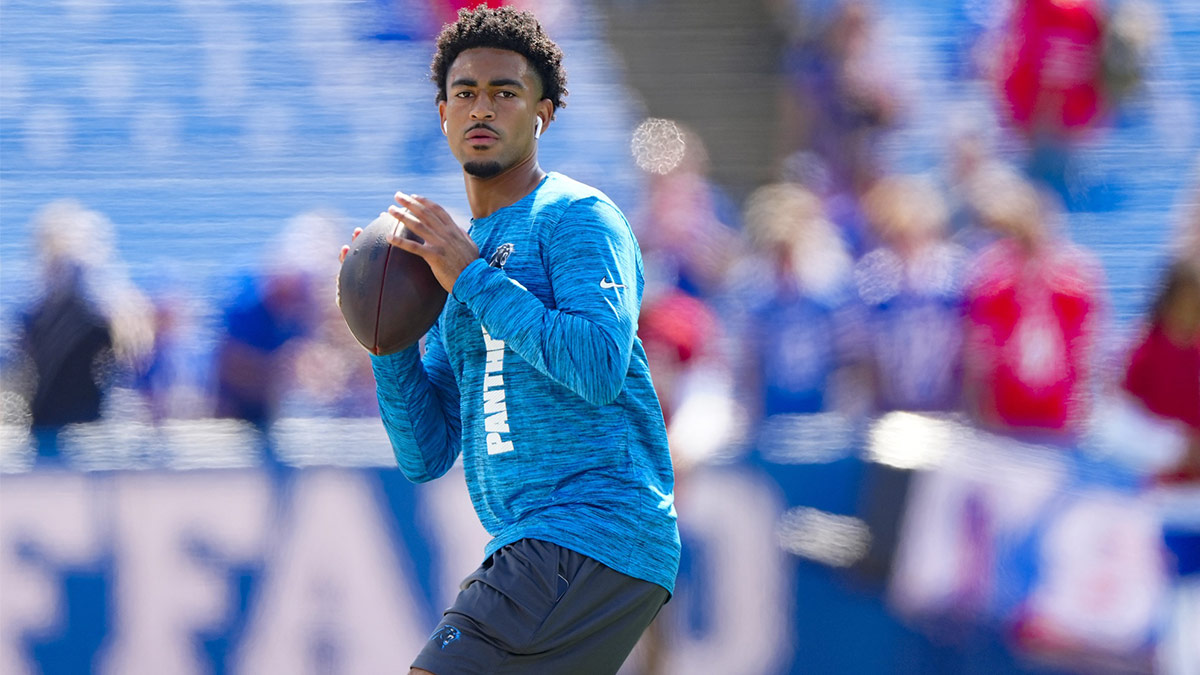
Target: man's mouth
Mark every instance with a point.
(482, 136)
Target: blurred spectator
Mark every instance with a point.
(331, 372)
(171, 377)
(273, 308)
(691, 378)
(1052, 68)
(1062, 67)
(1050, 74)
(686, 226)
(285, 349)
(798, 330)
(69, 346)
(842, 94)
(1131, 34)
(250, 372)
(842, 206)
(1032, 305)
(328, 373)
(970, 154)
(675, 330)
(1164, 369)
(85, 329)
(912, 289)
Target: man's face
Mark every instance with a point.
(492, 100)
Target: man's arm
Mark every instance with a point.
(585, 342)
(419, 404)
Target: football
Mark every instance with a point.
(389, 297)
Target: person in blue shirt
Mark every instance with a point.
(535, 376)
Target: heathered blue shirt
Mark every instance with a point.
(534, 372)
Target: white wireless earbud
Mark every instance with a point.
(445, 132)
(537, 128)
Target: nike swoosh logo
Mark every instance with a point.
(605, 283)
(668, 500)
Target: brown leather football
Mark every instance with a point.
(389, 297)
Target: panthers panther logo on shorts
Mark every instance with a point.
(445, 635)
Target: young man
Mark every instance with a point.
(535, 374)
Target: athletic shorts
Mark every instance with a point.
(536, 607)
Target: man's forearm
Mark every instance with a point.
(422, 422)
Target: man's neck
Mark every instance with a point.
(488, 195)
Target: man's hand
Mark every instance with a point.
(447, 249)
(346, 249)
(342, 258)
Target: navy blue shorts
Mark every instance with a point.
(536, 607)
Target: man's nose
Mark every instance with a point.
(482, 110)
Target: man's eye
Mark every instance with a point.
(506, 94)
(463, 94)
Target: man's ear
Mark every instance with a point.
(545, 111)
(442, 116)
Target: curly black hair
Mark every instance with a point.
(502, 28)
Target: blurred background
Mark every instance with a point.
(922, 305)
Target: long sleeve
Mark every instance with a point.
(559, 429)
(419, 404)
(584, 343)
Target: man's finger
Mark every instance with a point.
(425, 209)
(346, 249)
(410, 204)
(434, 209)
(405, 244)
(411, 222)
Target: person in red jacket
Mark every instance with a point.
(1032, 302)
(1052, 77)
(1164, 370)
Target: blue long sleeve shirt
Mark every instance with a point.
(535, 375)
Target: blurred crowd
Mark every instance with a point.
(94, 346)
(848, 288)
(843, 287)
(964, 297)
(846, 295)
